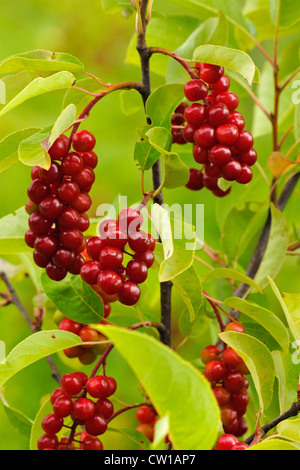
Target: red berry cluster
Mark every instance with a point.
(221, 145)
(105, 269)
(226, 372)
(58, 205)
(230, 442)
(71, 401)
(86, 354)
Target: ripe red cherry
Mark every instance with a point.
(70, 325)
(226, 442)
(85, 178)
(52, 424)
(130, 219)
(77, 265)
(38, 190)
(51, 176)
(231, 100)
(195, 114)
(228, 415)
(30, 237)
(145, 414)
(104, 407)
(62, 406)
(59, 148)
(47, 441)
(89, 159)
(195, 182)
(81, 202)
(129, 293)
(232, 170)
(51, 207)
(96, 425)
(234, 381)
(68, 191)
(222, 395)
(112, 385)
(109, 282)
(221, 86)
(83, 141)
(212, 171)
(210, 353)
(46, 245)
(94, 246)
(227, 134)
(200, 154)
(218, 114)
(211, 73)
(215, 371)
(139, 241)
(189, 133)
(146, 257)
(90, 271)
(71, 164)
(195, 90)
(237, 119)
(137, 271)
(210, 183)
(248, 158)
(110, 257)
(98, 387)
(235, 326)
(71, 238)
(205, 136)
(71, 384)
(219, 155)
(38, 223)
(83, 408)
(92, 443)
(244, 142)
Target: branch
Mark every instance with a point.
(17, 302)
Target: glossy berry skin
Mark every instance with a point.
(109, 282)
(52, 424)
(69, 325)
(226, 442)
(222, 395)
(195, 182)
(200, 154)
(71, 238)
(239, 401)
(215, 371)
(210, 183)
(59, 148)
(81, 202)
(72, 164)
(137, 271)
(30, 238)
(210, 353)
(219, 155)
(96, 425)
(146, 257)
(235, 326)
(218, 114)
(139, 241)
(38, 190)
(83, 408)
(92, 443)
(89, 159)
(228, 415)
(248, 158)
(68, 191)
(94, 246)
(231, 100)
(46, 245)
(104, 407)
(83, 141)
(62, 406)
(212, 171)
(232, 170)
(40, 260)
(221, 86)
(240, 446)
(38, 223)
(90, 272)
(71, 384)
(110, 257)
(189, 133)
(145, 414)
(129, 294)
(88, 334)
(77, 265)
(210, 73)
(51, 207)
(85, 179)
(227, 134)
(98, 387)
(234, 381)
(237, 120)
(51, 176)
(195, 114)
(244, 142)
(195, 90)
(112, 385)
(47, 441)
(205, 136)
(130, 219)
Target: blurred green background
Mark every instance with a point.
(100, 41)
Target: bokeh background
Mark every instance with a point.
(100, 41)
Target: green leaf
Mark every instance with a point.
(162, 429)
(74, 298)
(12, 229)
(9, 147)
(227, 273)
(290, 429)
(264, 317)
(291, 302)
(274, 444)
(284, 12)
(162, 103)
(232, 59)
(169, 372)
(287, 373)
(136, 436)
(17, 419)
(189, 285)
(297, 122)
(176, 173)
(31, 151)
(36, 347)
(275, 253)
(259, 362)
(111, 6)
(39, 86)
(63, 122)
(40, 61)
(37, 429)
(211, 31)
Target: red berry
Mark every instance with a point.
(232, 170)
(146, 257)
(92, 443)
(240, 446)
(248, 158)
(39, 224)
(189, 133)
(89, 159)
(219, 193)
(239, 401)
(137, 271)
(71, 384)
(94, 246)
(30, 238)
(109, 282)
(211, 73)
(235, 326)
(59, 148)
(130, 219)
(98, 387)
(129, 293)
(195, 90)
(231, 100)
(145, 414)
(221, 86)
(47, 441)
(96, 425)
(71, 238)
(110, 257)
(234, 381)
(210, 353)
(195, 182)
(218, 114)
(83, 141)
(237, 119)
(63, 258)
(83, 408)
(200, 154)
(212, 171)
(219, 155)
(46, 245)
(81, 202)
(205, 136)
(112, 385)
(71, 164)
(104, 407)
(226, 442)
(227, 134)
(215, 371)
(228, 416)
(51, 176)
(222, 395)
(40, 260)
(62, 406)
(88, 334)
(210, 183)
(85, 178)
(244, 142)
(68, 191)
(139, 241)
(195, 114)
(38, 190)
(70, 325)
(51, 207)
(90, 271)
(52, 424)
(77, 265)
